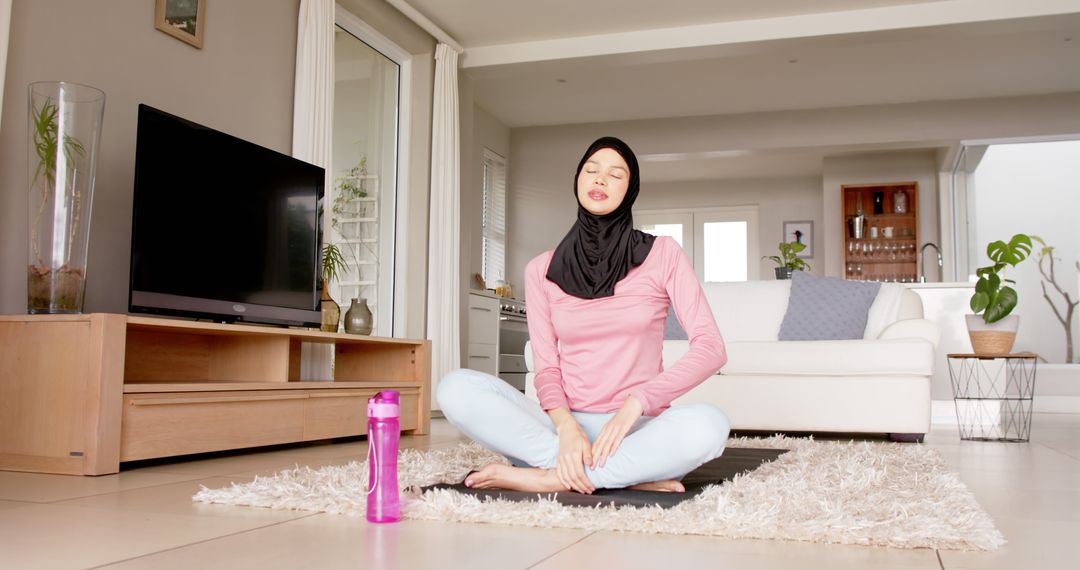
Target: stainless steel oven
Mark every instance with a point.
(513, 334)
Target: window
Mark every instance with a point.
(724, 245)
(1009, 187)
(494, 222)
(721, 242)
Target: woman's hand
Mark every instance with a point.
(574, 453)
(613, 432)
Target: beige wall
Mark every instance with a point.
(777, 199)
(241, 82)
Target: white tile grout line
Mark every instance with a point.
(557, 552)
(64, 500)
(197, 542)
(1056, 450)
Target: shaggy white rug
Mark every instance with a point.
(869, 493)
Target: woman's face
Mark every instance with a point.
(603, 181)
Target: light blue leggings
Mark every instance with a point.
(500, 418)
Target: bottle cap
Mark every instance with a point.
(385, 404)
(388, 397)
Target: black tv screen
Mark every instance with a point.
(222, 228)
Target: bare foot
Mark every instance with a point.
(668, 486)
(499, 476)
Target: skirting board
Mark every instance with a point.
(944, 411)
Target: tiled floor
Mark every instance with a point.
(144, 518)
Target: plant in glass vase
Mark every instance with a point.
(333, 265)
(64, 130)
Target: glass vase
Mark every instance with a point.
(331, 311)
(358, 318)
(64, 135)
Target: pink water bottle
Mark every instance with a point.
(384, 433)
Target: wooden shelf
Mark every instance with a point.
(82, 393)
(159, 387)
(854, 196)
(207, 328)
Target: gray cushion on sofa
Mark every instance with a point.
(672, 329)
(826, 308)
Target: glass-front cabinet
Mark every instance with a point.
(882, 232)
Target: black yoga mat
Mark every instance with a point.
(724, 468)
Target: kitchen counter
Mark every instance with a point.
(950, 285)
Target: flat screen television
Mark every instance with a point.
(222, 228)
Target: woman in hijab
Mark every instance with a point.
(597, 306)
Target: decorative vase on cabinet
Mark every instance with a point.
(358, 317)
(331, 311)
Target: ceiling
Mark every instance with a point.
(568, 62)
(475, 23)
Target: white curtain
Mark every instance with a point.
(313, 115)
(313, 93)
(444, 230)
(5, 27)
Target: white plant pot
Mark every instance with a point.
(993, 338)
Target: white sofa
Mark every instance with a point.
(877, 384)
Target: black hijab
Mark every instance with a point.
(598, 251)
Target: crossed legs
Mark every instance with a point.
(655, 453)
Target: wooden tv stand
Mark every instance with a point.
(79, 394)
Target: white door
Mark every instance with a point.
(721, 242)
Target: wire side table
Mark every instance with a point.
(993, 395)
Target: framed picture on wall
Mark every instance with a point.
(182, 19)
(801, 232)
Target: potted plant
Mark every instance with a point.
(991, 327)
(788, 260)
(333, 265)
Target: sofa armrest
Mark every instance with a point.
(912, 328)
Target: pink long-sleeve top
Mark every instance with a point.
(591, 354)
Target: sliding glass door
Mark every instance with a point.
(362, 201)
